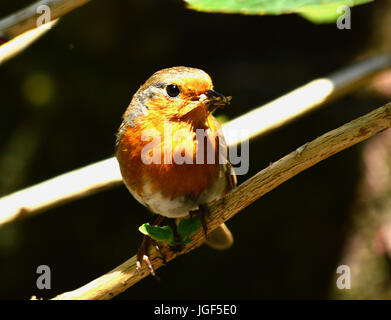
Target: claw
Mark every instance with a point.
(149, 265)
(138, 266)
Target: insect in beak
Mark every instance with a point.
(214, 100)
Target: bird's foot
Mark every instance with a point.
(203, 213)
(178, 247)
(143, 252)
(143, 255)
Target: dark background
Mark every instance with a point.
(61, 104)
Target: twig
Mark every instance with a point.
(105, 174)
(125, 275)
(13, 47)
(26, 19)
(54, 192)
(308, 97)
(20, 28)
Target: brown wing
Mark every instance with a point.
(231, 177)
(229, 170)
(221, 238)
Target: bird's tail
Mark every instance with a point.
(221, 238)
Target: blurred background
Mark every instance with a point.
(61, 103)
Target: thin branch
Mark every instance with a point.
(59, 190)
(13, 47)
(308, 97)
(20, 28)
(125, 275)
(26, 19)
(105, 174)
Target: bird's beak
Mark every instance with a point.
(214, 100)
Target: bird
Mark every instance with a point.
(175, 178)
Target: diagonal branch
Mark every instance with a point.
(125, 275)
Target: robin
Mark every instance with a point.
(175, 177)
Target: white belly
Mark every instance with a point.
(179, 207)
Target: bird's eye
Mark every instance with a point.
(173, 90)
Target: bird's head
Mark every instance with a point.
(177, 94)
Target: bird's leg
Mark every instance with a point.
(177, 238)
(202, 213)
(142, 253)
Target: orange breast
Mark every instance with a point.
(171, 179)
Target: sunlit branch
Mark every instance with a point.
(21, 28)
(26, 19)
(12, 47)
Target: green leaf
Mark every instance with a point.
(315, 10)
(187, 227)
(158, 233)
(327, 13)
(317, 15)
